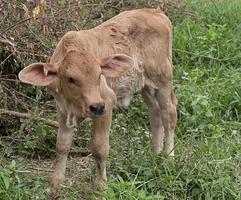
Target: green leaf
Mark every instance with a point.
(5, 181)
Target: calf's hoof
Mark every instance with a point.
(52, 193)
(54, 185)
(100, 185)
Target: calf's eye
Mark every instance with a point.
(71, 80)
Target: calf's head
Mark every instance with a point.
(76, 79)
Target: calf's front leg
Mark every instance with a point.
(100, 147)
(64, 140)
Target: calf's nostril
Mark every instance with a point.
(97, 108)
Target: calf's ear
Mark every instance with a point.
(39, 74)
(114, 66)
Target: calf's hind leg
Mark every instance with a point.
(167, 102)
(156, 125)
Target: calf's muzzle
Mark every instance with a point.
(97, 108)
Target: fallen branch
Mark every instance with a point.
(27, 115)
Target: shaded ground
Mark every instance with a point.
(79, 174)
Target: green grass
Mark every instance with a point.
(207, 163)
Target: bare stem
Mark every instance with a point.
(27, 115)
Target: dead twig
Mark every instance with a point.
(10, 80)
(41, 169)
(16, 24)
(5, 41)
(33, 168)
(27, 115)
(6, 59)
(22, 52)
(13, 91)
(23, 171)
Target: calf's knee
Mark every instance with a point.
(100, 151)
(62, 149)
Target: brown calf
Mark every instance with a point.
(91, 70)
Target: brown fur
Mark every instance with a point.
(130, 52)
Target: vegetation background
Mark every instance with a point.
(207, 59)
